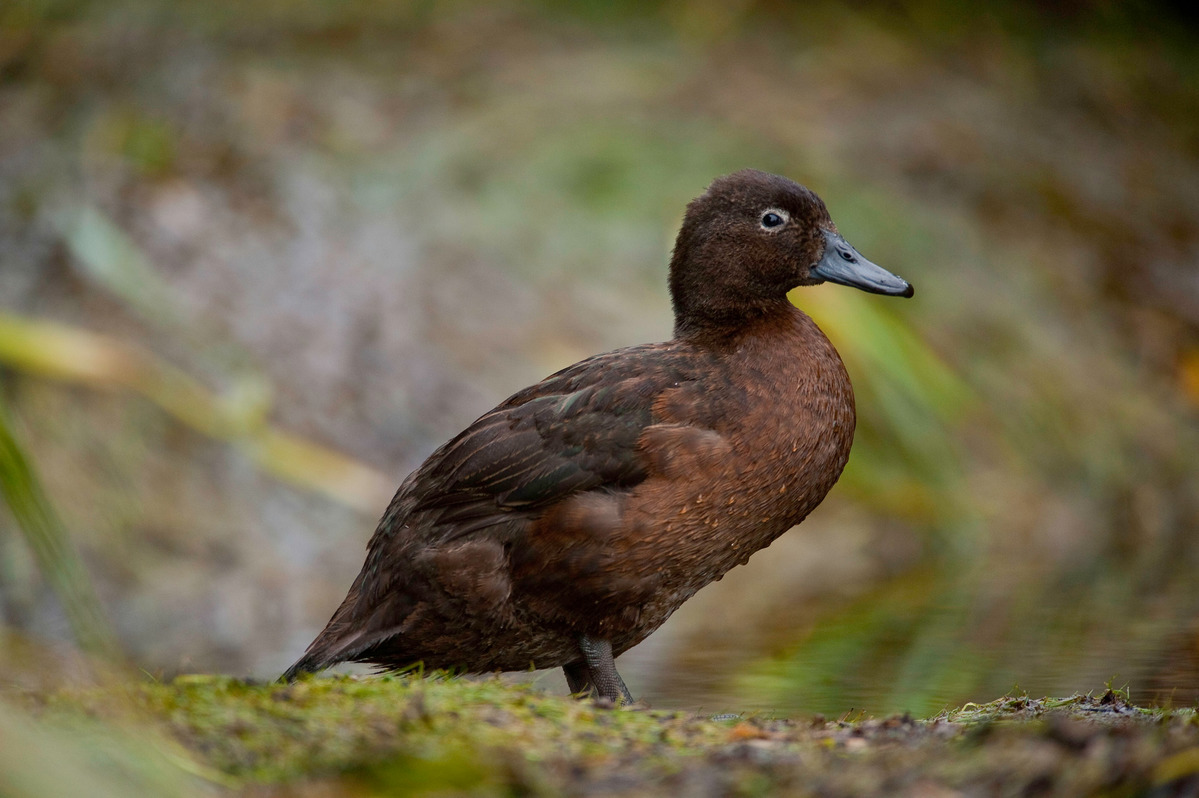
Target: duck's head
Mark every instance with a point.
(751, 238)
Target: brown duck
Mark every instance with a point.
(567, 524)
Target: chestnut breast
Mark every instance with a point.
(738, 453)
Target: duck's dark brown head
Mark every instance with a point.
(751, 238)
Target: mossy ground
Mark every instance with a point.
(439, 735)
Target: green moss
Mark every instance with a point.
(414, 734)
(392, 730)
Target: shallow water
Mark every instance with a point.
(1157, 666)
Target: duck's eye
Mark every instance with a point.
(774, 218)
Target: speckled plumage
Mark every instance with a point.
(584, 510)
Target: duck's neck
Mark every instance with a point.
(714, 325)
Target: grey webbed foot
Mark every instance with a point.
(596, 675)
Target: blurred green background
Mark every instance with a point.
(258, 259)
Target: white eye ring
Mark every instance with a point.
(773, 218)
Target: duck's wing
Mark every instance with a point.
(577, 430)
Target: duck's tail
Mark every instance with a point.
(337, 643)
(329, 648)
(359, 626)
(306, 664)
(333, 645)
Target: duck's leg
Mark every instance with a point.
(597, 674)
(577, 678)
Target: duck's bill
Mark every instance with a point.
(844, 265)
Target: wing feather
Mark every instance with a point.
(575, 431)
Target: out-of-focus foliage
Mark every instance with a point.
(41, 759)
(366, 223)
(50, 544)
(48, 349)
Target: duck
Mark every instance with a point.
(563, 527)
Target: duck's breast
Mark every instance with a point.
(736, 459)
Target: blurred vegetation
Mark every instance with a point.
(53, 350)
(83, 758)
(50, 545)
(239, 239)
